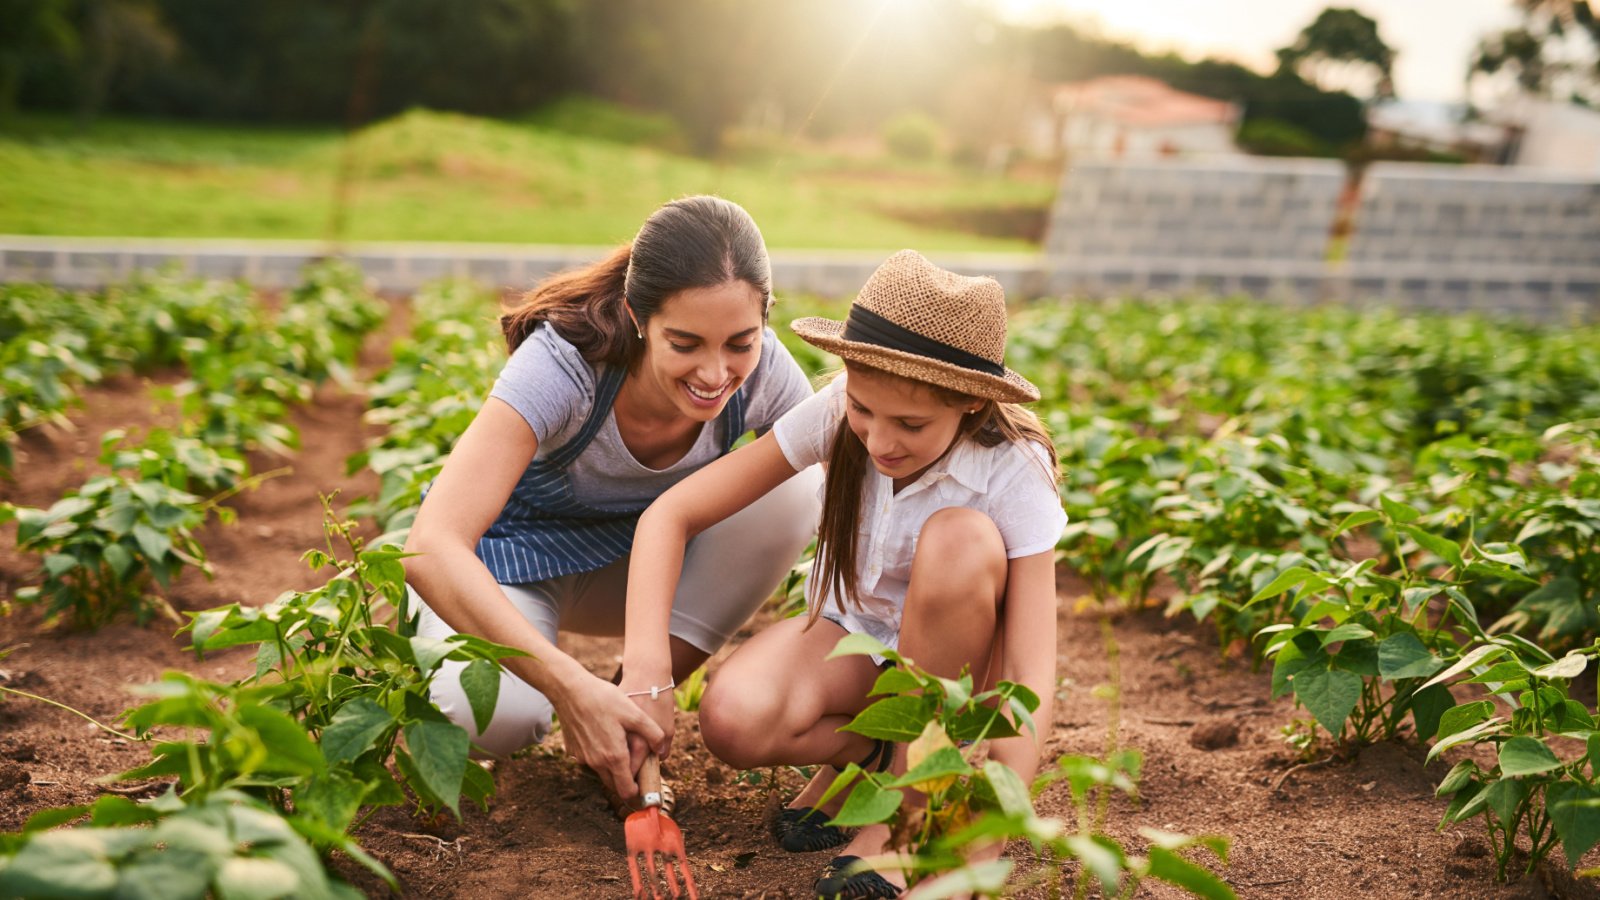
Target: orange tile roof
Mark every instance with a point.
(1140, 101)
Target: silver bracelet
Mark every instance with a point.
(655, 690)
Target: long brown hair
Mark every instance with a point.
(692, 242)
(834, 569)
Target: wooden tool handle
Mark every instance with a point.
(650, 780)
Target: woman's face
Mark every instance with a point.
(703, 344)
(903, 424)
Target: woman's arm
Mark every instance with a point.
(703, 499)
(464, 501)
(1028, 655)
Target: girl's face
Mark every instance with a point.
(904, 425)
(702, 345)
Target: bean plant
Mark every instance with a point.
(963, 805)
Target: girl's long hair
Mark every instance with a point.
(834, 569)
(692, 242)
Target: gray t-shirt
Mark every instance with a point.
(550, 384)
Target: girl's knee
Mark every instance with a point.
(961, 537)
(737, 725)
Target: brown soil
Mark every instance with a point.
(1352, 828)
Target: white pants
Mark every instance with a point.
(729, 570)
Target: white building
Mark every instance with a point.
(1553, 137)
(1130, 117)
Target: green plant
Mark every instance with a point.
(104, 544)
(687, 695)
(912, 136)
(225, 845)
(333, 661)
(962, 806)
(1357, 630)
(1530, 790)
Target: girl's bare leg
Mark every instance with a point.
(779, 700)
(958, 580)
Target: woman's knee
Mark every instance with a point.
(522, 716)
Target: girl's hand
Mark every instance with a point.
(604, 730)
(661, 711)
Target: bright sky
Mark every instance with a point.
(1434, 39)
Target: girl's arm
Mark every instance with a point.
(468, 495)
(1028, 655)
(705, 498)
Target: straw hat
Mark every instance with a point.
(917, 320)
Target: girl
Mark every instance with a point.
(624, 378)
(939, 523)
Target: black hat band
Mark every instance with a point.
(864, 326)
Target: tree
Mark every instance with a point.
(34, 29)
(1339, 46)
(1555, 52)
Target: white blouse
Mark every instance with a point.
(1009, 483)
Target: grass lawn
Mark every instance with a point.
(445, 177)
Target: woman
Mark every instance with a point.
(624, 378)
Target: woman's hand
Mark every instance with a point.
(607, 732)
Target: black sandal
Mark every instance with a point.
(805, 829)
(839, 883)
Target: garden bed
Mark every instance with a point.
(1362, 827)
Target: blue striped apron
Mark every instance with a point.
(545, 532)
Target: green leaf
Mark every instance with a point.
(1569, 666)
(1442, 547)
(1402, 655)
(1357, 519)
(439, 750)
(895, 681)
(1397, 511)
(65, 864)
(859, 645)
(152, 543)
(1102, 856)
(1346, 632)
(480, 681)
(1524, 755)
(986, 879)
(942, 763)
(333, 798)
(1428, 707)
(1287, 579)
(244, 878)
(867, 805)
(899, 718)
(1009, 790)
(1479, 654)
(1329, 694)
(1198, 880)
(429, 652)
(119, 559)
(1575, 811)
(290, 750)
(1461, 775)
(58, 564)
(1504, 797)
(1466, 735)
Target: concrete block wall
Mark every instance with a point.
(1475, 216)
(1252, 209)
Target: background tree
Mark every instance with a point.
(35, 32)
(1337, 49)
(1553, 53)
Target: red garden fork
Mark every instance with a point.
(650, 831)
